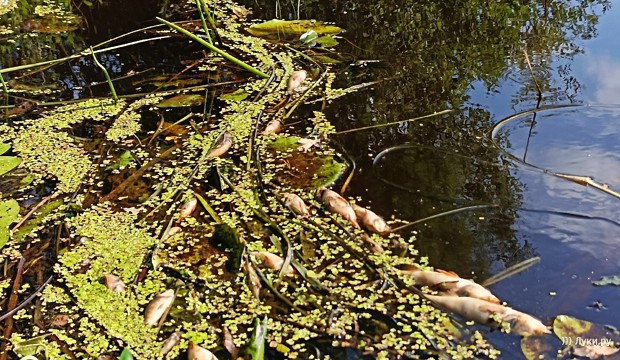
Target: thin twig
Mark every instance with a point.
(392, 123)
(8, 328)
(446, 213)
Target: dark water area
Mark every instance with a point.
(468, 58)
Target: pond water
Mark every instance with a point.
(435, 56)
(438, 56)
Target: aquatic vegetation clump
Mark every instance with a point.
(110, 243)
(128, 122)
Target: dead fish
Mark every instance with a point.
(450, 284)
(372, 245)
(253, 279)
(370, 220)
(196, 352)
(114, 283)
(273, 127)
(272, 261)
(481, 311)
(307, 144)
(296, 205)
(295, 81)
(172, 341)
(337, 204)
(187, 209)
(173, 230)
(228, 342)
(158, 306)
(222, 147)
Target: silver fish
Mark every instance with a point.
(222, 147)
(114, 283)
(196, 352)
(370, 220)
(273, 127)
(172, 341)
(296, 205)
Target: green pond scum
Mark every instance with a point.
(342, 295)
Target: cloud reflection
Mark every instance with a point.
(606, 74)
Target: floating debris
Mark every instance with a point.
(296, 205)
(228, 342)
(273, 127)
(172, 341)
(187, 210)
(295, 81)
(114, 283)
(306, 144)
(370, 220)
(487, 313)
(196, 352)
(222, 147)
(337, 204)
(272, 261)
(156, 308)
(449, 283)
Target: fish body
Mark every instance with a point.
(187, 209)
(172, 341)
(450, 284)
(272, 261)
(370, 220)
(481, 311)
(297, 78)
(273, 127)
(114, 283)
(196, 352)
(158, 306)
(337, 204)
(222, 147)
(296, 205)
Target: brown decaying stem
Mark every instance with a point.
(8, 329)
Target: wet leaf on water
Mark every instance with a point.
(256, 346)
(182, 100)
(126, 355)
(238, 95)
(31, 347)
(540, 347)
(278, 29)
(4, 148)
(586, 338)
(9, 211)
(123, 160)
(309, 38)
(608, 280)
(8, 163)
(327, 41)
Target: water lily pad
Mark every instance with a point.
(586, 339)
(608, 280)
(290, 30)
(182, 100)
(8, 163)
(9, 211)
(327, 41)
(4, 148)
(540, 347)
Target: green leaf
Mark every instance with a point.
(256, 346)
(327, 41)
(31, 346)
(126, 355)
(608, 280)
(125, 159)
(182, 100)
(4, 148)
(309, 37)
(9, 211)
(8, 163)
(238, 95)
(290, 30)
